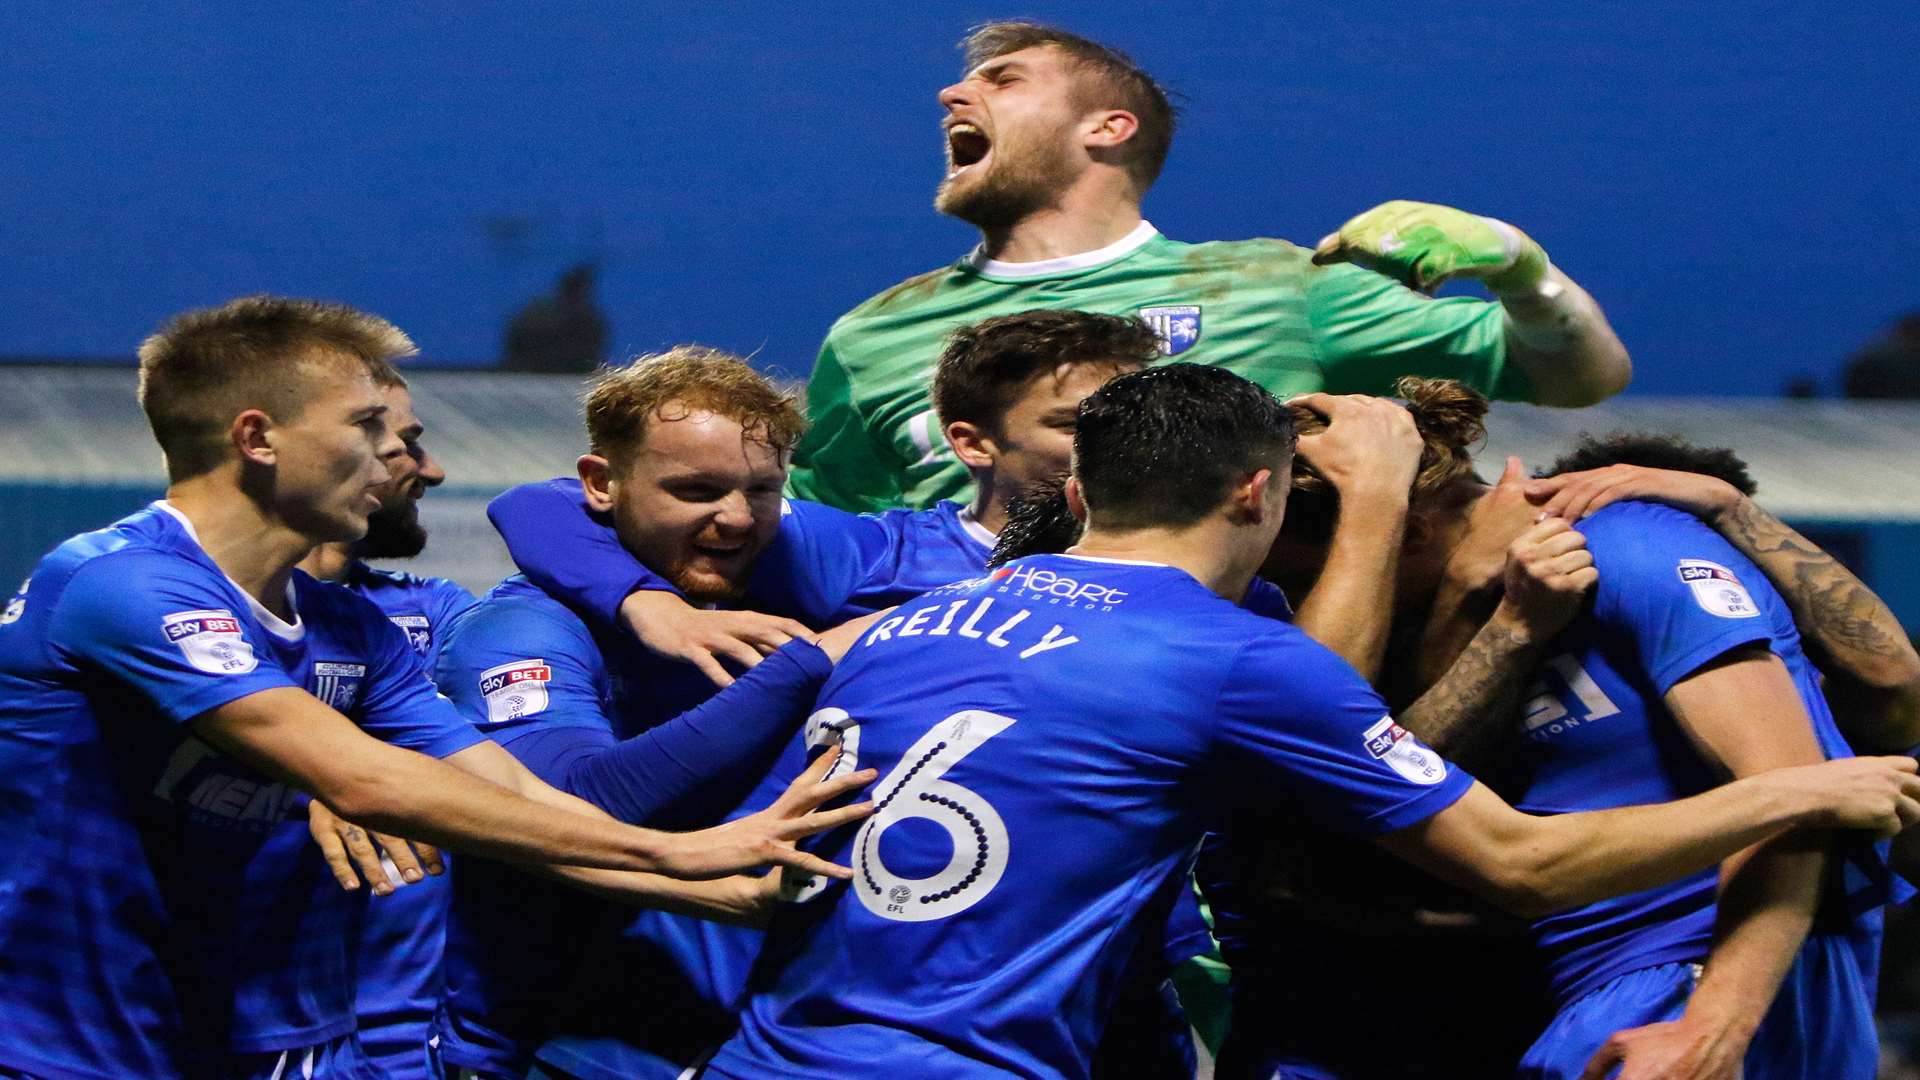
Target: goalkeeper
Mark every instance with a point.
(1052, 140)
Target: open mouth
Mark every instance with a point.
(718, 551)
(967, 146)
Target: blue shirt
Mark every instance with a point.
(162, 904)
(1673, 595)
(593, 713)
(1052, 739)
(400, 981)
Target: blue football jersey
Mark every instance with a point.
(1673, 595)
(1051, 739)
(161, 904)
(400, 980)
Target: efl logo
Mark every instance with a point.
(515, 689)
(211, 641)
(1716, 590)
(1389, 742)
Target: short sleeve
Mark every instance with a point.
(1294, 718)
(1672, 590)
(1369, 330)
(166, 628)
(513, 664)
(399, 704)
(838, 461)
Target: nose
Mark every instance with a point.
(431, 474)
(955, 96)
(735, 513)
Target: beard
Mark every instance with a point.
(1019, 181)
(393, 532)
(701, 584)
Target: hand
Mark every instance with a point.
(1479, 562)
(1575, 495)
(669, 626)
(345, 846)
(1880, 794)
(1370, 445)
(1422, 244)
(767, 838)
(838, 640)
(1548, 574)
(1682, 1049)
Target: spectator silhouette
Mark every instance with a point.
(1889, 365)
(563, 331)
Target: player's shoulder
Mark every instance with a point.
(514, 616)
(908, 294)
(373, 580)
(1632, 532)
(1270, 653)
(1253, 253)
(143, 549)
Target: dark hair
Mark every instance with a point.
(984, 366)
(1116, 81)
(1654, 452)
(204, 367)
(1039, 522)
(1162, 447)
(1451, 419)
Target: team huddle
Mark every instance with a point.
(1047, 697)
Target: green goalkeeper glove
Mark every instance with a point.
(1423, 244)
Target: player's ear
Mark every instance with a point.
(252, 435)
(1076, 500)
(971, 444)
(596, 481)
(1247, 502)
(1110, 128)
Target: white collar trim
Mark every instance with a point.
(1116, 562)
(1022, 271)
(277, 626)
(973, 527)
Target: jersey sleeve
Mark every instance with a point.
(572, 554)
(838, 461)
(1293, 718)
(162, 626)
(1672, 590)
(1368, 330)
(399, 703)
(822, 562)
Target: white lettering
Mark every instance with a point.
(1050, 642)
(952, 610)
(997, 638)
(884, 631)
(967, 628)
(917, 625)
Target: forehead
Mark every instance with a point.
(1037, 59)
(681, 439)
(1066, 384)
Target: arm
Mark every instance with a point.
(1369, 452)
(1873, 672)
(1554, 331)
(1534, 866)
(1743, 714)
(1546, 578)
(289, 734)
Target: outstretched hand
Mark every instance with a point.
(1675, 1050)
(352, 852)
(1369, 446)
(1575, 495)
(767, 839)
(669, 626)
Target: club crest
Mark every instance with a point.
(337, 683)
(1177, 326)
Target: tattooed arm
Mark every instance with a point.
(1873, 672)
(1465, 714)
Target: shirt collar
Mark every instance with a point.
(1041, 268)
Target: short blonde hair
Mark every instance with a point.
(622, 401)
(204, 367)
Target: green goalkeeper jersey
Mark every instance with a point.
(1259, 308)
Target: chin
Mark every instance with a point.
(708, 587)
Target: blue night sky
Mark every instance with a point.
(1736, 183)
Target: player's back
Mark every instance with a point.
(1041, 735)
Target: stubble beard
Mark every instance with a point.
(1019, 182)
(393, 533)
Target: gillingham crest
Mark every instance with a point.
(1177, 326)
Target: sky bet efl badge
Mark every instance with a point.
(1717, 590)
(1395, 745)
(515, 690)
(1178, 326)
(211, 641)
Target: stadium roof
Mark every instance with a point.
(1836, 460)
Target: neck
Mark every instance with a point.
(989, 503)
(1205, 550)
(251, 546)
(1074, 224)
(329, 562)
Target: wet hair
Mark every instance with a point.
(1164, 446)
(204, 367)
(1110, 78)
(1039, 522)
(622, 401)
(984, 367)
(1654, 451)
(1451, 419)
